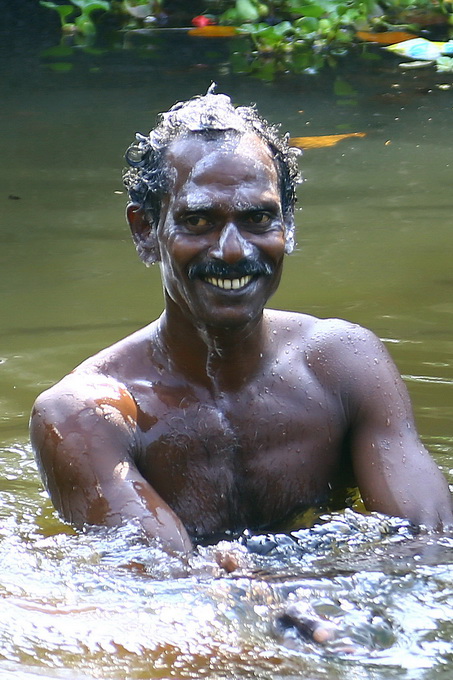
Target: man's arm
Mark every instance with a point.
(84, 432)
(393, 470)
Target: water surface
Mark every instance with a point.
(374, 246)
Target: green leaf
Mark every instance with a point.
(247, 10)
(63, 10)
(283, 28)
(88, 6)
(230, 17)
(307, 25)
(254, 29)
(85, 25)
(312, 11)
(270, 36)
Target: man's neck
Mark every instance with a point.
(223, 359)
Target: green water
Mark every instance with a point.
(375, 244)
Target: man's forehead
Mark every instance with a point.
(238, 156)
(188, 149)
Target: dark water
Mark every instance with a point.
(375, 244)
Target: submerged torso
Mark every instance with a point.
(249, 458)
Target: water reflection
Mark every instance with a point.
(374, 246)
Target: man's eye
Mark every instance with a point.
(260, 218)
(196, 221)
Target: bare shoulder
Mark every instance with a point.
(82, 390)
(99, 393)
(100, 385)
(337, 339)
(332, 337)
(104, 377)
(335, 350)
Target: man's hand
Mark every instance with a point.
(298, 619)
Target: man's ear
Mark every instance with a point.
(143, 233)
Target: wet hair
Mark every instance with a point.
(147, 178)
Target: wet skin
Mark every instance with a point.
(220, 416)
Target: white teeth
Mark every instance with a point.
(228, 284)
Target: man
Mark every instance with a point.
(222, 415)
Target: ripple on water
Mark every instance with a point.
(104, 604)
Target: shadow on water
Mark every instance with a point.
(374, 246)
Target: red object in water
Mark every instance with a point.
(201, 21)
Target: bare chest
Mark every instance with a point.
(244, 461)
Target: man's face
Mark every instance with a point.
(221, 233)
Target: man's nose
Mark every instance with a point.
(231, 245)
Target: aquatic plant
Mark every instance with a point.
(274, 36)
(301, 35)
(83, 23)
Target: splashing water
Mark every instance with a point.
(105, 604)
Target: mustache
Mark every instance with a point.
(221, 269)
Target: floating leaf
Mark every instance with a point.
(385, 38)
(213, 32)
(322, 141)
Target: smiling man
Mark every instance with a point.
(222, 415)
